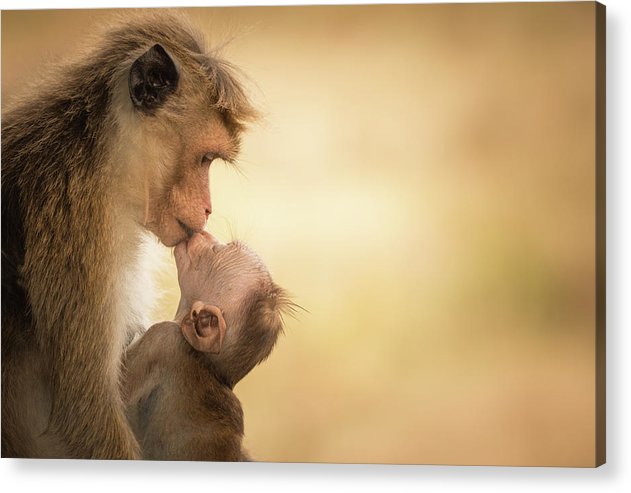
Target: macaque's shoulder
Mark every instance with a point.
(163, 330)
(164, 337)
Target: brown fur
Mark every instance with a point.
(180, 401)
(83, 175)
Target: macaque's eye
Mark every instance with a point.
(208, 158)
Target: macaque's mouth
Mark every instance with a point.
(201, 239)
(193, 246)
(189, 231)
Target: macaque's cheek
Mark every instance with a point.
(181, 257)
(163, 223)
(194, 284)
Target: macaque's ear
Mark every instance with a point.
(152, 78)
(204, 328)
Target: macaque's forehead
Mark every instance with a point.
(242, 277)
(230, 271)
(215, 137)
(238, 257)
(198, 133)
(206, 252)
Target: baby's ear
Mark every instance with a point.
(204, 328)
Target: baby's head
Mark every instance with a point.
(230, 309)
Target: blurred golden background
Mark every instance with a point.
(423, 183)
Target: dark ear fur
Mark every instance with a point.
(152, 78)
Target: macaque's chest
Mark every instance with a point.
(136, 290)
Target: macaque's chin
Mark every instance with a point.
(170, 233)
(180, 254)
(172, 238)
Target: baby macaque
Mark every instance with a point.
(179, 376)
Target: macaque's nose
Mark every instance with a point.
(196, 241)
(208, 212)
(210, 239)
(201, 238)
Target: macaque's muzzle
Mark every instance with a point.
(200, 240)
(186, 251)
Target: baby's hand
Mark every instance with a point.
(204, 327)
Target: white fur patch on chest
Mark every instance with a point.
(137, 288)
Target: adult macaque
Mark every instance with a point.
(106, 148)
(179, 376)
